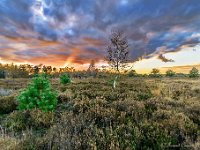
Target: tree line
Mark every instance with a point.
(193, 73)
(26, 71)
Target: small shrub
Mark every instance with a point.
(65, 79)
(17, 121)
(150, 107)
(144, 94)
(65, 97)
(34, 119)
(153, 137)
(8, 143)
(132, 73)
(32, 141)
(38, 95)
(40, 119)
(155, 73)
(7, 104)
(194, 73)
(170, 73)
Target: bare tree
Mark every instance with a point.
(117, 53)
(92, 71)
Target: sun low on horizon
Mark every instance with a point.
(161, 33)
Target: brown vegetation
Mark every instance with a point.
(141, 113)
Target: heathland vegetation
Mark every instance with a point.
(42, 107)
(82, 111)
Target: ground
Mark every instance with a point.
(141, 113)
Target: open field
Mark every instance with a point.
(141, 113)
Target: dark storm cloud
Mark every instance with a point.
(13, 15)
(83, 26)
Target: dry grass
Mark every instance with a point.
(142, 113)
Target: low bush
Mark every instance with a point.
(7, 104)
(144, 93)
(9, 143)
(170, 73)
(153, 137)
(155, 73)
(132, 73)
(33, 119)
(17, 121)
(65, 79)
(39, 119)
(194, 73)
(65, 96)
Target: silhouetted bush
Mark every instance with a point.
(132, 73)
(170, 73)
(155, 73)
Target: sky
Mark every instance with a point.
(161, 33)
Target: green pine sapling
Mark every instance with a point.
(38, 94)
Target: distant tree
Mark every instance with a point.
(44, 69)
(155, 73)
(194, 72)
(117, 53)
(144, 75)
(36, 70)
(92, 65)
(22, 67)
(12, 71)
(49, 69)
(29, 68)
(170, 73)
(92, 71)
(132, 73)
(23, 72)
(66, 69)
(54, 69)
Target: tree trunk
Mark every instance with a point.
(115, 81)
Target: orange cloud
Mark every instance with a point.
(35, 51)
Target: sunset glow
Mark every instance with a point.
(72, 33)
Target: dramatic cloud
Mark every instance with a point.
(63, 31)
(164, 59)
